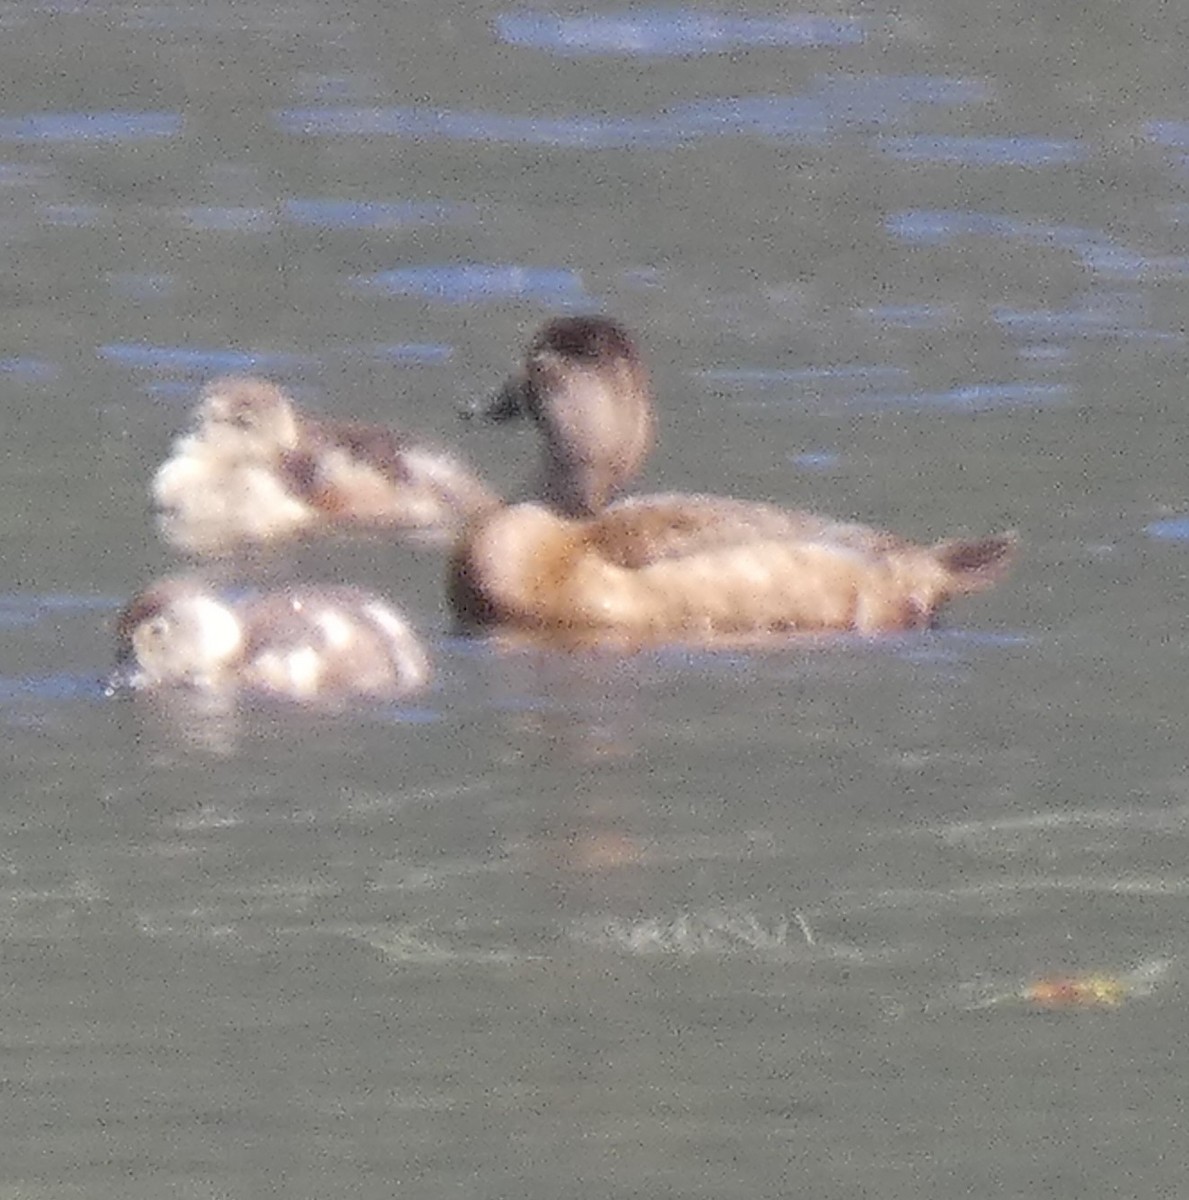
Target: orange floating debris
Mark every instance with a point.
(1082, 990)
(1078, 991)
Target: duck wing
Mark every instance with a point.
(309, 642)
(642, 530)
(369, 473)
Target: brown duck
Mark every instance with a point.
(673, 567)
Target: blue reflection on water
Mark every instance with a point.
(774, 377)
(911, 316)
(951, 646)
(1173, 529)
(140, 285)
(428, 353)
(72, 216)
(803, 117)
(228, 218)
(1044, 354)
(866, 95)
(30, 370)
(351, 214)
(660, 32)
(1174, 134)
(981, 397)
(177, 358)
(834, 102)
(403, 714)
(817, 460)
(50, 687)
(940, 227)
(1084, 322)
(983, 151)
(468, 283)
(19, 611)
(588, 132)
(106, 127)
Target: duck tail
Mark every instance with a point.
(976, 563)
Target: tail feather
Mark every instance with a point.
(976, 563)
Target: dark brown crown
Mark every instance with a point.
(144, 606)
(590, 339)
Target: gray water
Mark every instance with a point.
(677, 925)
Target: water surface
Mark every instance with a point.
(682, 924)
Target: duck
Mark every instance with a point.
(576, 562)
(252, 470)
(305, 643)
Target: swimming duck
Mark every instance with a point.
(254, 470)
(673, 567)
(300, 643)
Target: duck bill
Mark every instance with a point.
(126, 677)
(508, 404)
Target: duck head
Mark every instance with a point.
(175, 632)
(585, 385)
(247, 417)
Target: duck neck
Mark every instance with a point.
(574, 489)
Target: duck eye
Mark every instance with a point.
(158, 627)
(242, 420)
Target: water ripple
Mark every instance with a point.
(1172, 529)
(867, 388)
(352, 214)
(802, 117)
(49, 687)
(833, 102)
(1084, 322)
(671, 32)
(941, 227)
(140, 285)
(876, 93)
(750, 378)
(73, 216)
(584, 132)
(1174, 134)
(426, 353)
(711, 932)
(981, 397)
(967, 150)
(30, 370)
(227, 218)
(141, 356)
(106, 127)
(911, 316)
(470, 283)
(18, 611)
(816, 460)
